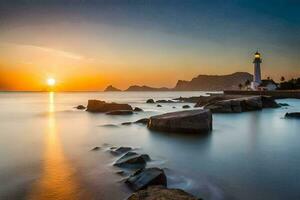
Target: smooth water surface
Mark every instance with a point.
(45, 149)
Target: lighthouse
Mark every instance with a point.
(257, 72)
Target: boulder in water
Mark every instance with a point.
(132, 160)
(191, 121)
(295, 115)
(142, 121)
(150, 101)
(165, 101)
(137, 109)
(186, 106)
(120, 150)
(161, 192)
(102, 106)
(143, 178)
(80, 107)
(243, 104)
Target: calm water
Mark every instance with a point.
(45, 149)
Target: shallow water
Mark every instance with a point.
(45, 149)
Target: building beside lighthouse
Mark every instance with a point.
(258, 83)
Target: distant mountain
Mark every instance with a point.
(111, 88)
(214, 82)
(146, 88)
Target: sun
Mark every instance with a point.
(51, 81)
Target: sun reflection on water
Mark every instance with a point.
(57, 180)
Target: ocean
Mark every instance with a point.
(45, 149)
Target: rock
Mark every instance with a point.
(120, 150)
(283, 104)
(191, 121)
(173, 107)
(295, 115)
(161, 193)
(122, 173)
(132, 160)
(159, 105)
(102, 106)
(242, 104)
(126, 123)
(186, 106)
(142, 121)
(95, 149)
(165, 101)
(80, 107)
(150, 101)
(120, 112)
(204, 100)
(111, 88)
(137, 109)
(146, 177)
(188, 99)
(269, 102)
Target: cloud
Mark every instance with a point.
(57, 52)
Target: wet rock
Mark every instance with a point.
(122, 173)
(161, 193)
(146, 177)
(142, 121)
(126, 123)
(131, 160)
(95, 149)
(137, 109)
(150, 101)
(187, 99)
(173, 107)
(159, 105)
(102, 106)
(80, 107)
(186, 106)
(165, 101)
(295, 115)
(120, 112)
(243, 104)
(190, 121)
(120, 150)
(283, 104)
(269, 102)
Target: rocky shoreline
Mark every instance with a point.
(151, 183)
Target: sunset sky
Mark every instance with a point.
(89, 44)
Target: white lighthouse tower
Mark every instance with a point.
(257, 73)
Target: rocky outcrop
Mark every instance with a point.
(132, 160)
(243, 104)
(95, 149)
(295, 115)
(161, 192)
(165, 101)
(146, 177)
(191, 121)
(120, 112)
(269, 102)
(150, 101)
(80, 107)
(120, 150)
(111, 88)
(102, 106)
(137, 109)
(142, 121)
